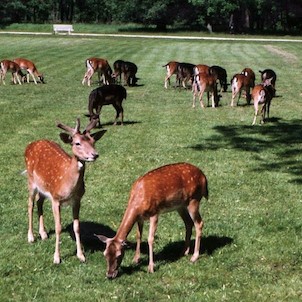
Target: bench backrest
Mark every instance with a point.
(62, 27)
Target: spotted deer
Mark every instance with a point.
(179, 187)
(54, 174)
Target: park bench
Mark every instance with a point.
(62, 27)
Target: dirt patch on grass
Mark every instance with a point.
(285, 55)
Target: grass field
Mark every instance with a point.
(251, 246)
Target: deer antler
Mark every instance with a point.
(91, 125)
(69, 129)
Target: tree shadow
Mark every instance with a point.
(279, 137)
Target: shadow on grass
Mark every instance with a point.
(280, 138)
(170, 253)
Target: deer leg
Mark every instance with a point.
(139, 233)
(200, 100)
(234, 93)
(167, 81)
(184, 214)
(193, 209)
(31, 198)
(33, 76)
(76, 229)
(263, 111)
(17, 77)
(239, 95)
(256, 112)
(42, 231)
(119, 110)
(3, 77)
(58, 228)
(152, 230)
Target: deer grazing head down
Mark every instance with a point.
(54, 174)
(179, 187)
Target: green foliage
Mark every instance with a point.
(252, 234)
(240, 16)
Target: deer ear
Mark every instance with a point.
(66, 138)
(102, 238)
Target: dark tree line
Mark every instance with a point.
(220, 15)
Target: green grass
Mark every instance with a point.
(252, 235)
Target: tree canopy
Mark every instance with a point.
(221, 15)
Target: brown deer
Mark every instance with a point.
(262, 94)
(7, 65)
(31, 69)
(205, 83)
(101, 66)
(172, 187)
(172, 68)
(55, 175)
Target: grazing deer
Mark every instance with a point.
(205, 83)
(262, 94)
(112, 94)
(172, 68)
(54, 174)
(177, 187)
(31, 69)
(267, 74)
(248, 72)
(240, 82)
(101, 66)
(7, 65)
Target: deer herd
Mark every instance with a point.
(54, 174)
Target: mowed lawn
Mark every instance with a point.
(251, 245)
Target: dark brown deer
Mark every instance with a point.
(112, 94)
(172, 187)
(269, 74)
(55, 175)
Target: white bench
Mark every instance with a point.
(62, 27)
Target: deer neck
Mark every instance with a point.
(129, 219)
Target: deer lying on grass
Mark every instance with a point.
(172, 187)
(112, 94)
(7, 65)
(31, 69)
(53, 174)
(262, 94)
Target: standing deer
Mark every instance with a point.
(7, 65)
(103, 69)
(31, 69)
(177, 187)
(111, 94)
(262, 94)
(205, 83)
(54, 174)
(172, 68)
